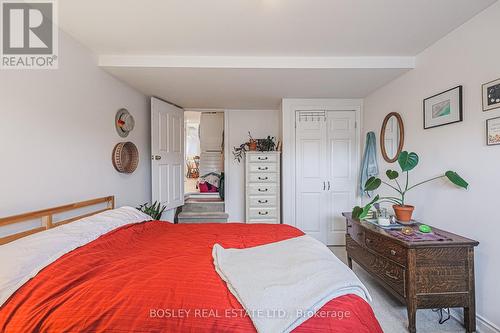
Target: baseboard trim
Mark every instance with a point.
(482, 324)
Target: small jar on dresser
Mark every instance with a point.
(262, 187)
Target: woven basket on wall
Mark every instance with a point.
(125, 157)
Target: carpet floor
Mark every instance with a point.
(391, 313)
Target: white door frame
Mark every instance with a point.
(288, 108)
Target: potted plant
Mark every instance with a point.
(252, 144)
(154, 210)
(407, 162)
(267, 144)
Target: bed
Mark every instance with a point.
(142, 276)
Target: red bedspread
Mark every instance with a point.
(157, 277)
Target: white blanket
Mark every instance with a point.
(282, 284)
(24, 258)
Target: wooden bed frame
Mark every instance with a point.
(46, 216)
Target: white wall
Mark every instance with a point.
(57, 134)
(469, 56)
(260, 123)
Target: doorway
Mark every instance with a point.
(326, 172)
(204, 153)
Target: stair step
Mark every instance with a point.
(203, 205)
(202, 217)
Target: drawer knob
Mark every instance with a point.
(263, 213)
(262, 189)
(263, 168)
(393, 252)
(262, 158)
(263, 178)
(263, 201)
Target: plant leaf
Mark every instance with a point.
(456, 179)
(392, 174)
(407, 161)
(356, 212)
(372, 184)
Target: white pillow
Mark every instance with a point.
(24, 258)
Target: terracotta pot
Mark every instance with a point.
(252, 145)
(403, 213)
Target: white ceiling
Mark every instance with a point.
(259, 28)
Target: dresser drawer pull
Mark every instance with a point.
(263, 189)
(393, 252)
(263, 213)
(263, 168)
(262, 158)
(263, 201)
(263, 178)
(394, 277)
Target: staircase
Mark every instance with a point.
(203, 208)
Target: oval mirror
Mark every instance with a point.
(392, 137)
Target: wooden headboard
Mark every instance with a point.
(46, 216)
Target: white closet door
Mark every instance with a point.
(342, 172)
(311, 173)
(167, 149)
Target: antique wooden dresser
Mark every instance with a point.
(421, 274)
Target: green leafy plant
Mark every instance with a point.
(407, 161)
(154, 210)
(267, 144)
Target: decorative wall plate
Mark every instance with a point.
(125, 157)
(124, 122)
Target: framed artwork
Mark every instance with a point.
(493, 131)
(491, 95)
(444, 108)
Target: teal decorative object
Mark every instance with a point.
(424, 228)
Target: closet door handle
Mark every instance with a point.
(324, 186)
(328, 185)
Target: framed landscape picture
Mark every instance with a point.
(493, 131)
(491, 95)
(444, 108)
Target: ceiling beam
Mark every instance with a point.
(256, 62)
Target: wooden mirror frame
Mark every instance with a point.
(401, 136)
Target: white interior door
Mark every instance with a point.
(342, 171)
(167, 153)
(311, 173)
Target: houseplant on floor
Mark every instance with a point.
(407, 161)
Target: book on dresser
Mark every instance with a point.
(262, 187)
(427, 273)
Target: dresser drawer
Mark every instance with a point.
(356, 233)
(262, 201)
(262, 213)
(263, 178)
(262, 158)
(262, 189)
(266, 221)
(385, 247)
(387, 271)
(262, 167)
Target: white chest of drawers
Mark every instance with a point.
(262, 186)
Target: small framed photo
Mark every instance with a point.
(493, 131)
(444, 108)
(491, 95)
